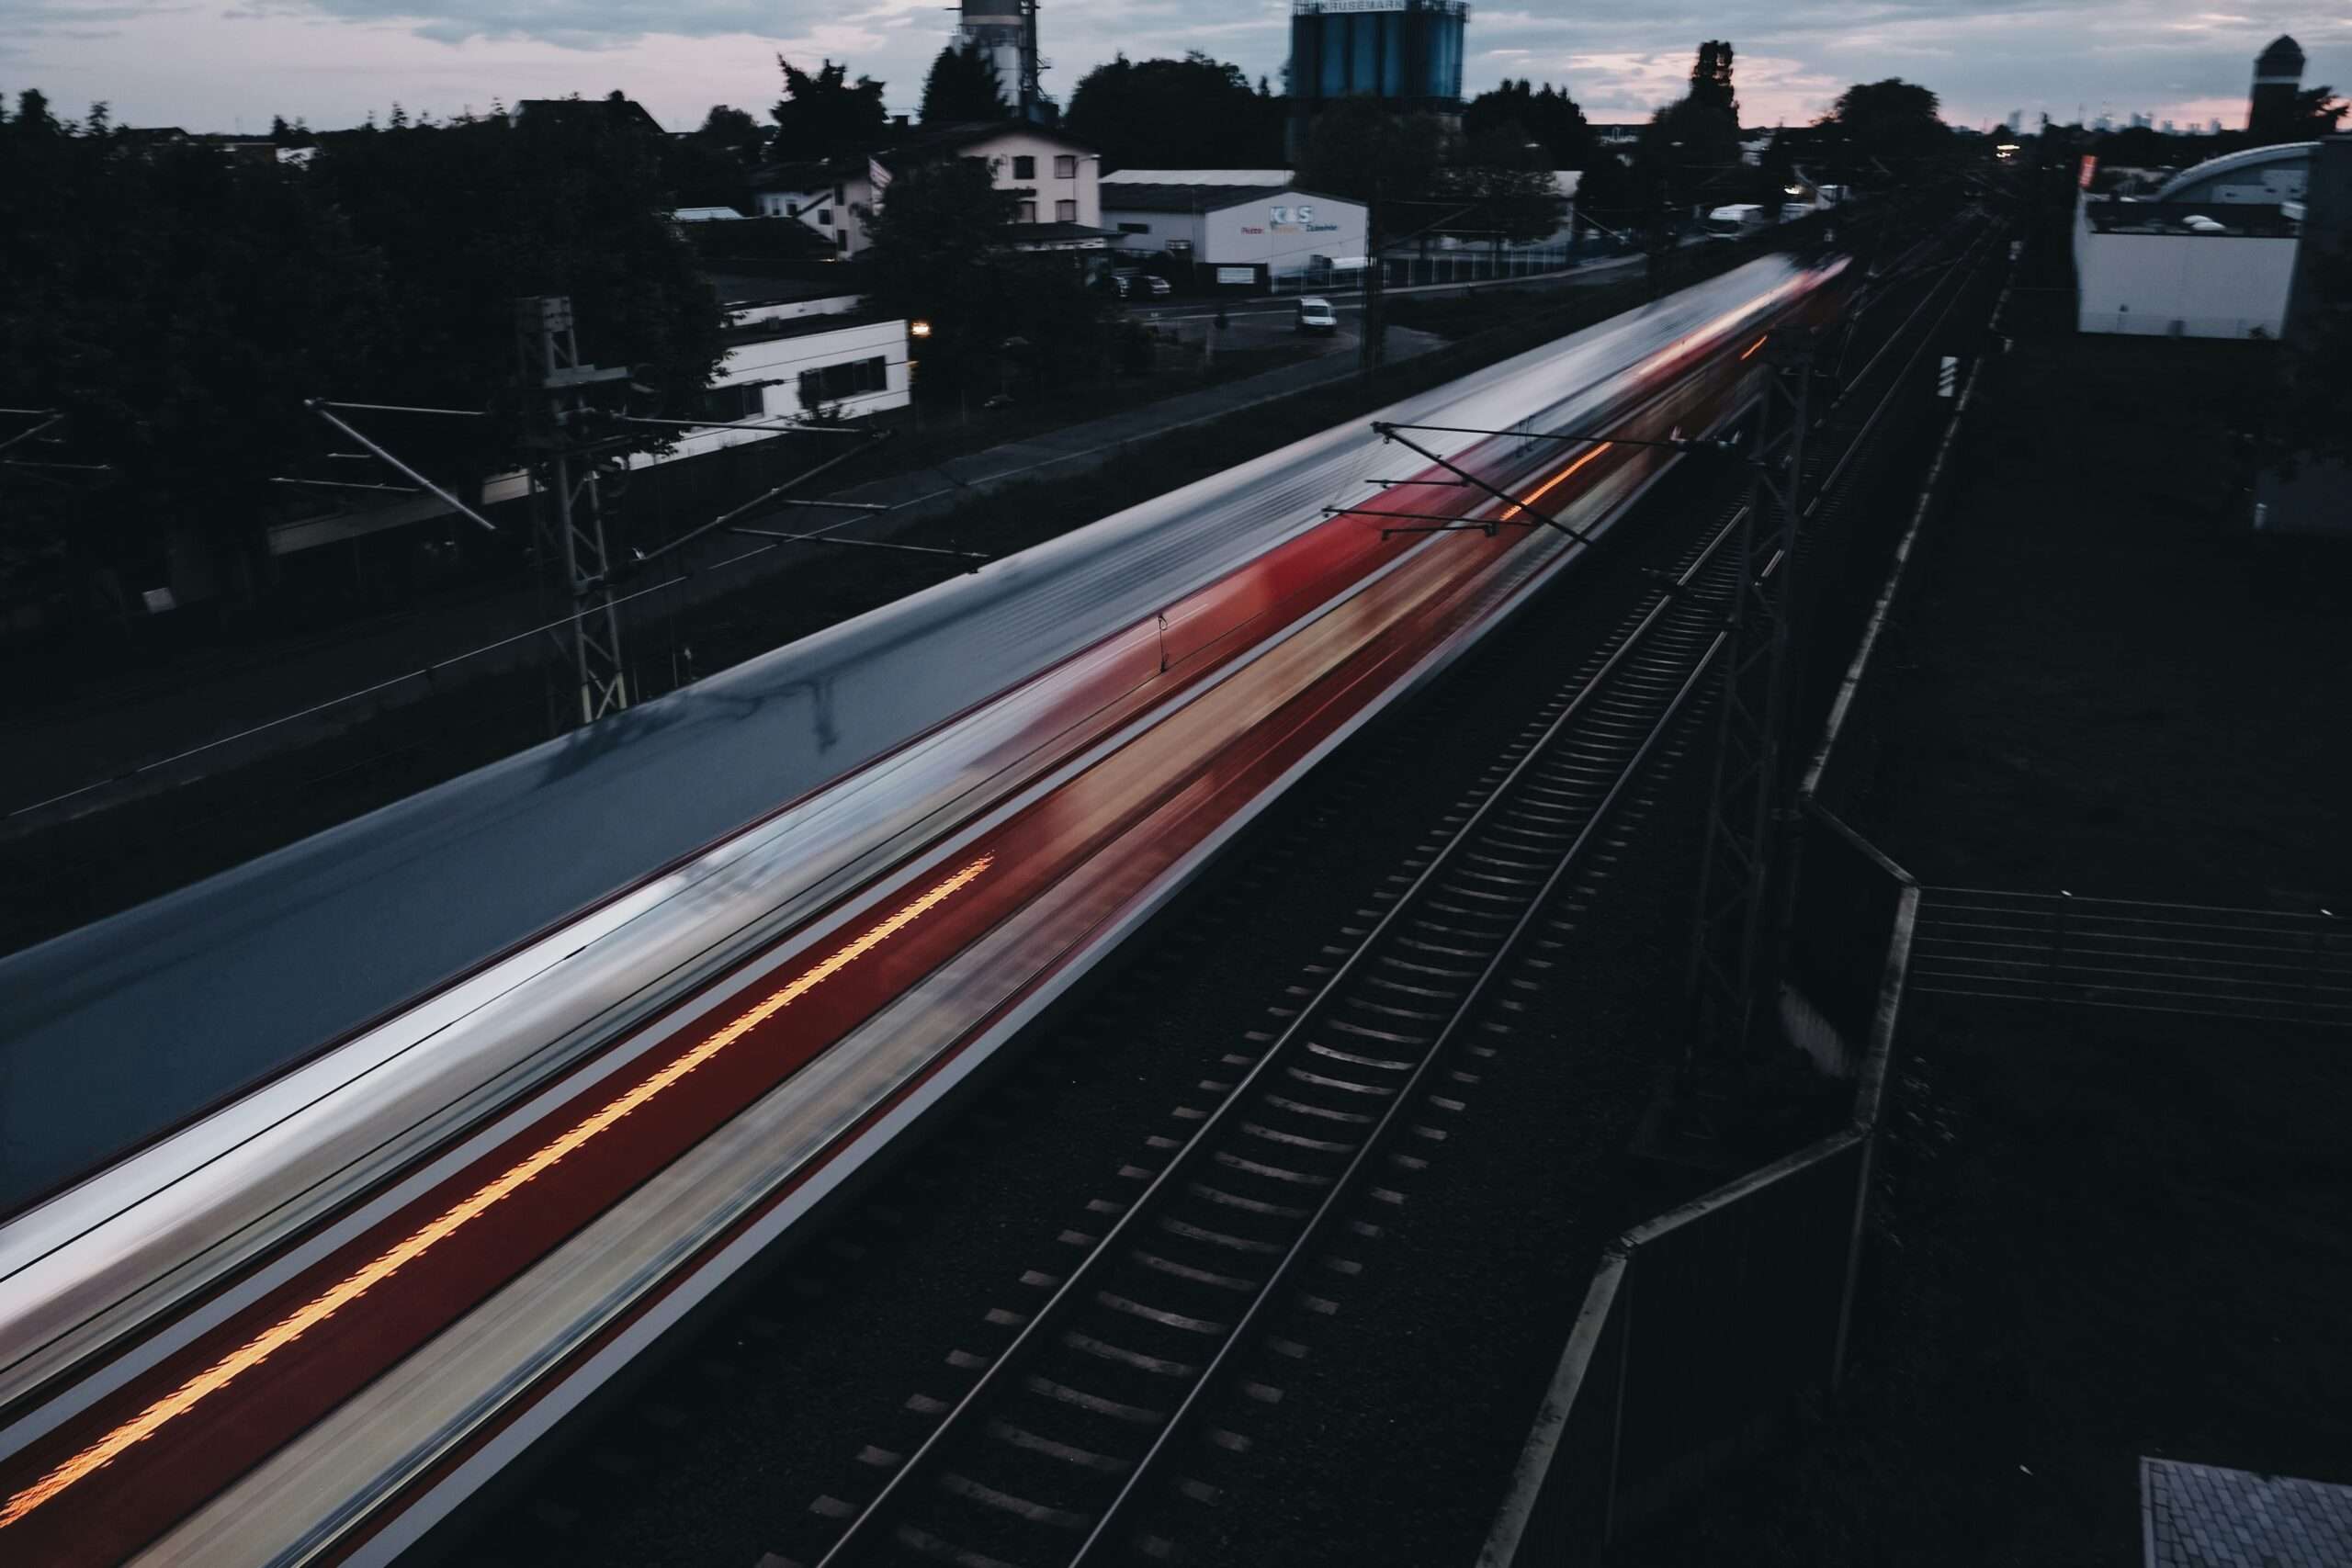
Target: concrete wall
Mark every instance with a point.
(2184, 285)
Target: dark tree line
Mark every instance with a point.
(179, 305)
(1194, 113)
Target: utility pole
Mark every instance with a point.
(568, 512)
(1374, 346)
(1736, 936)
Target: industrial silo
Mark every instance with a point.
(1405, 54)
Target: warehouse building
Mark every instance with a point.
(2211, 253)
(1237, 236)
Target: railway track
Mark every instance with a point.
(1117, 1391)
(1186, 1300)
(1056, 1451)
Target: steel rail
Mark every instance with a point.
(861, 1533)
(1344, 1186)
(865, 1531)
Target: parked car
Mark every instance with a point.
(1316, 316)
(1145, 282)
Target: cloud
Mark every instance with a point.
(334, 60)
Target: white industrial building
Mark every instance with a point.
(1237, 234)
(2210, 254)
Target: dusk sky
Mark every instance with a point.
(226, 64)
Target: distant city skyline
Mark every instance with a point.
(231, 64)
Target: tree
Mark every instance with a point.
(1886, 127)
(1360, 151)
(1549, 116)
(712, 165)
(176, 306)
(1194, 113)
(1711, 79)
(938, 255)
(822, 115)
(732, 131)
(1505, 180)
(963, 87)
(2317, 112)
(933, 242)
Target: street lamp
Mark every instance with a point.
(918, 329)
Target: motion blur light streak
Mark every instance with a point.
(1548, 486)
(1754, 346)
(287, 1330)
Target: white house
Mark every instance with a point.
(1055, 179)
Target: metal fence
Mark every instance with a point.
(1464, 264)
(2182, 958)
(1662, 1382)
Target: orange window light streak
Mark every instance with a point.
(285, 1332)
(1756, 344)
(1548, 486)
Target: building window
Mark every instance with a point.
(824, 217)
(840, 239)
(725, 405)
(840, 195)
(1027, 212)
(1066, 166)
(1135, 228)
(1065, 212)
(1025, 167)
(851, 378)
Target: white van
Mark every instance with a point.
(1316, 315)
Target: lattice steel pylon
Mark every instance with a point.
(1736, 938)
(568, 511)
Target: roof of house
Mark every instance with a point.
(621, 111)
(780, 328)
(808, 174)
(1035, 236)
(948, 139)
(783, 282)
(1198, 177)
(1194, 197)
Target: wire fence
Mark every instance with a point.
(1462, 263)
(2111, 953)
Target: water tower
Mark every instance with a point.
(2278, 78)
(1404, 54)
(1006, 31)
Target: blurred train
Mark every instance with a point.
(336, 1180)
